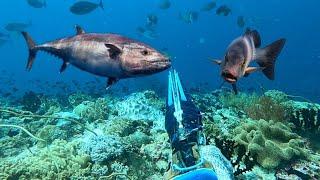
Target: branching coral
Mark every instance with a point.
(263, 107)
(266, 108)
(24, 130)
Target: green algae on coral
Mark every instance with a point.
(93, 111)
(256, 107)
(60, 160)
(273, 143)
(137, 122)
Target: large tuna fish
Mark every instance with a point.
(244, 50)
(107, 55)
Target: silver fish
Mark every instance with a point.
(107, 55)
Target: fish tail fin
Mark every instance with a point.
(267, 56)
(101, 4)
(32, 50)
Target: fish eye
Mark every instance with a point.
(145, 52)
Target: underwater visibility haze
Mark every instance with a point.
(86, 89)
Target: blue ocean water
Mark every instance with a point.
(297, 69)
(69, 126)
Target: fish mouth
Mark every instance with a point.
(229, 77)
(155, 66)
(162, 63)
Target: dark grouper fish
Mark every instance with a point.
(37, 3)
(245, 49)
(85, 7)
(107, 55)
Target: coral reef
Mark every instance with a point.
(236, 153)
(31, 101)
(140, 106)
(300, 170)
(112, 137)
(102, 148)
(59, 161)
(271, 142)
(49, 106)
(257, 107)
(221, 122)
(304, 115)
(93, 111)
(78, 98)
(277, 96)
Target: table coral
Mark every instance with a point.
(271, 142)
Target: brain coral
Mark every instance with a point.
(271, 142)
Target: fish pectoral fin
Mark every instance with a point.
(64, 66)
(216, 61)
(114, 51)
(79, 30)
(111, 81)
(250, 70)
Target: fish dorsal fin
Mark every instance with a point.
(114, 51)
(79, 30)
(255, 36)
